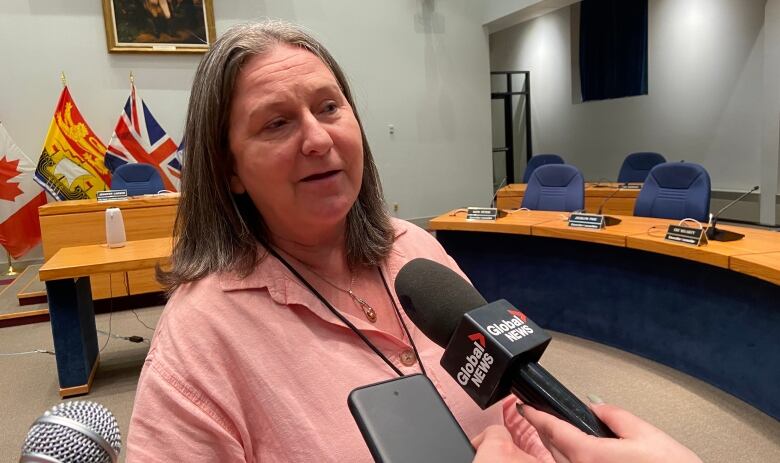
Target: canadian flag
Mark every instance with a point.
(20, 196)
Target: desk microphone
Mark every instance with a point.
(490, 349)
(608, 221)
(493, 200)
(716, 234)
(601, 206)
(76, 431)
(486, 213)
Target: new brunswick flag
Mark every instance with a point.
(71, 165)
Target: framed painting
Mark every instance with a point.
(159, 26)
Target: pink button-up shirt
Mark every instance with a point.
(257, 369)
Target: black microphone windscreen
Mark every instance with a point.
(435, 298)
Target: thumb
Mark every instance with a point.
(623, 423)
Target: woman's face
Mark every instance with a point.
(296, 143)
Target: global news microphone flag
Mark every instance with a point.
(20, 197)
(138, 137)
(71, 165)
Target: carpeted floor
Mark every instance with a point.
(26, 282)
(719, 427)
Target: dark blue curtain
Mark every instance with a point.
(613, 48)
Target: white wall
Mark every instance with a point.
(421, 65)
(498, 9)
(501, 14)
(770, 153)
(705, 91)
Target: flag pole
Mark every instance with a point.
(11, 271)
(62, 78)
(132, 78)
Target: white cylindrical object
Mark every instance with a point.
(115, 228)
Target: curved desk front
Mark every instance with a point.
(711, 311)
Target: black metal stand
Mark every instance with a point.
(506, 96)
(718, 234)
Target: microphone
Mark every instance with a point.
(484, 213)
(601, 206)
(607, 219)
(490, 349)
(76, 431)
(493, 200)
(716, 234)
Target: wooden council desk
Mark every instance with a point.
(82, 222)
(67, 275)
(622, 203)
(710, 311)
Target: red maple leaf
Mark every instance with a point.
(8, 170)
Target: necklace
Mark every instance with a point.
(349, 324)
(368, 311)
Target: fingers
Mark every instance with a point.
(556, 433)
(640, 441)
(623, 423)
(477, 441)
(495, 445)
(558, 456)
(495, 432)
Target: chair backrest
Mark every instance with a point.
(636, 166)
(540, 160)
(137, 179)
(555, 187)
(675, 190)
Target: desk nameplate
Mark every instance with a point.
(481, 213)
(112, 195)
(686, 235)
(582, 220)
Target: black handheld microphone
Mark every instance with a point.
(716, 234)
(490, 349)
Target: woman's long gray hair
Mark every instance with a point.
(218, 231)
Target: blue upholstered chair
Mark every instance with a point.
(137, 179)
(540, 160)
(675, 190)
(636, 166)
(555, 187)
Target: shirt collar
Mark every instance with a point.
(284, 288)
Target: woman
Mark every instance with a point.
(281, 271)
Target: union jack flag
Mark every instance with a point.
(139, 138)
(180, 152)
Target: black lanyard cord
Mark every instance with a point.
(338, 314)
(403, 324)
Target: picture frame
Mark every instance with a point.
(159, 26)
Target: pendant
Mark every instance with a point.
(370, 313)
(367, 309)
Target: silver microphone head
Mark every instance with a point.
(73, 432)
